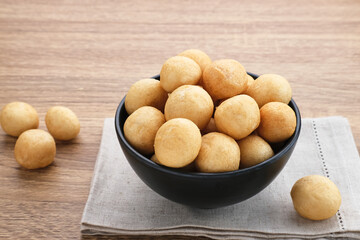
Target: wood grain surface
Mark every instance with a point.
(86, 54)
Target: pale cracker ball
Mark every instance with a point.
(201, 58)
(315, 197)
(191, 102)
(238, 116)
(141, 126)
(62, 123)
(145, 92)
(254, 150)
(270, 88)
(278, 122)
(218, 153)
(225, 78)
(34, 149)
(178, 71)
(250, 80)
(17, 117)
(177, 142)
(211, 127)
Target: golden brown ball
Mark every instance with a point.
(34, 149)
(146, 92)
(254, 150)
(17, 117)
(278, 122)
(218, 153)
(178, 71)
(225, 78)
(238, 116)
(62, 123)
(250, 80)
(191, 102)
(316, 197)
(141, 126)
(211, 127)
(198, 56)
(270, 88)
(177, 142)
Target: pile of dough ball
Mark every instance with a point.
(207, 115)
(36, 148)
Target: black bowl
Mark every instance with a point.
(206, 190)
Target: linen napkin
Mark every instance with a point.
(120, 203)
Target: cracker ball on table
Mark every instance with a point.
(218, 153)
(191, 102)
(17, 117)
(278, 122)
(177, 143)
(178, 71)
(238, 116)
(141, 126)
(254, 150)
(225, 78)
(146, 92)
(62, 123)
(34, 149)
(270, 88)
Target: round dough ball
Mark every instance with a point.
(17, 117)
(34, 149)
(146, 92)
(191, 102)
(270, 88)
(218, 153)
(211, 127)
(250, 80)
(254, 150)
(177, 142)
(178, 71)
(237, 117)
(140, 128)
(224, 78)
(278, 122)
(62, 123)
(154, 159)
(316, 197)
(201, 58)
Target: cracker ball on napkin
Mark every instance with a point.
(218, 153)
(270, 88)
(224, 78)
(17, 117)
(254, 150)
(178, 71)
(237, 116)
(141, 126)
(278, 122)
(62, 123)
(146, 92)
(177, 143)
(316, 197)
(191, 102)
(34, 149)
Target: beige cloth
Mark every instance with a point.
(120, 203)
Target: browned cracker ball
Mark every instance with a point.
(218, 153)
(34, 149)
(211, 127)
(146, 92)
(315, 197)
(191, 102)
(178, 71)
(141, 126)
(270, 88)
(62, 123)
(224, 78)
(237, 116)
(177, 142)
(198, 56)
(278, 122)
(254, 150)
(17, 117)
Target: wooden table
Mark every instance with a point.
(86, 54)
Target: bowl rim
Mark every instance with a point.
(196, 175)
